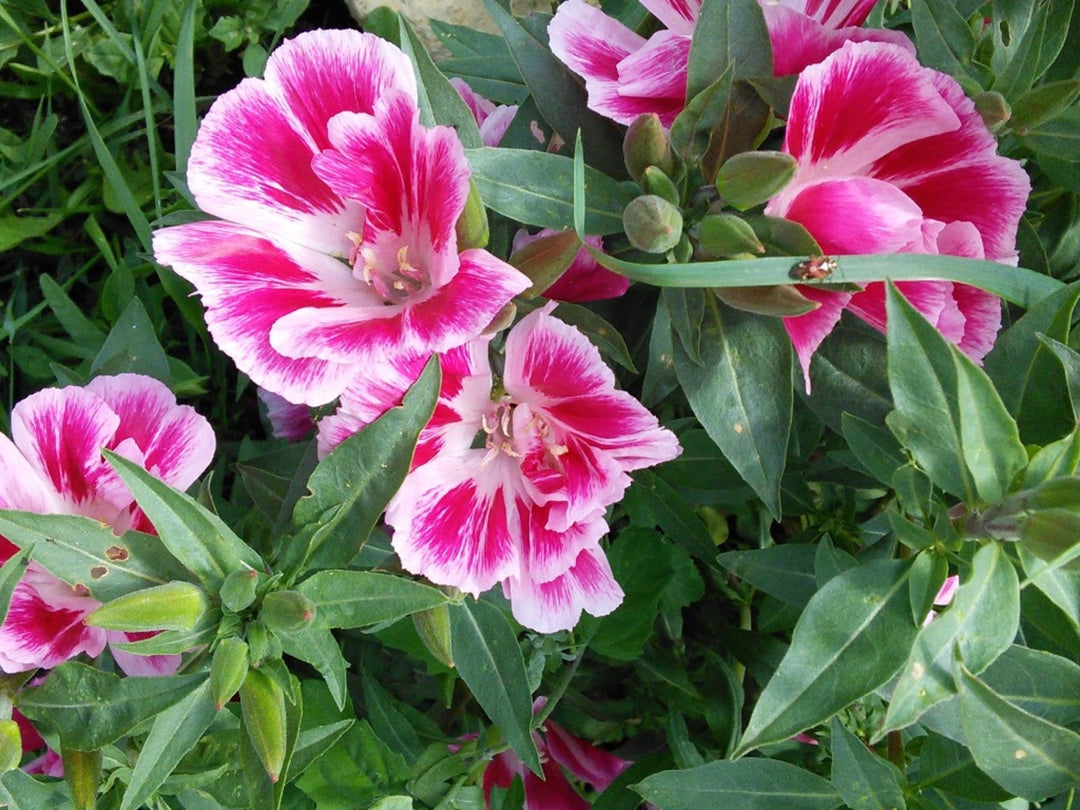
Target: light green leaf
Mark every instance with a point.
(489, 660)
(746, 784)
(852, 637)
(15, 229)
(864, 780)
(345, 599)
(1029, 756)
(981, 623)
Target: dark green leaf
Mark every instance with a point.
(1042, 104)
(851, 638)
(132, 346)
(864, 780)
(1057, 138)
(347, 599)
(945, 41)
(1060, 585)
(319, 648)
(82, 330)
(351, 487)
(785, 571)
(949, 765)
(10, 574)
(876, 449)
(747, 784)
(981, 622)
(1070, 363)
(391, 726)
(742, 394)
(91, 709)
(535, 188)
(729, 34)
(489, 660)
(20, 790)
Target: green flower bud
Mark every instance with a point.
(654, 181)
(173, 606)
(646, 144)
(778, 300)
(545, 259)
(433, 626)
(10, 745)
(652, 224)
(286, 611)
(721, 235)
(227, 669)
(750, 178)
(238, 590)
(472, 226)
(262, 707)
(993, 108)
(1050, 533)
(259, 642)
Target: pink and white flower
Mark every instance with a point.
(627, 75)
(510, 485)
(560, 753)
(336, 248)
(893, 158)
(287, 420)
(53, 465)
(584, 279)
(492, 119)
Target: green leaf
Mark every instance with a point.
(864, 780)
(746, 784)
(10, 574)
(950, 766)
(851, 638)
(132, 346)
(91, 709)
(600, 333)
(945, 41)
(981, 623)
(389, 723)
(535, 188)
(728, 35)
(351, 487)
(19, 789)
(319, 648)
(489, 660)
(82, 330)
(194, 535)
(174, 733)
(347, 599)
(785, 571)
(83, 551)
(1070, 363)
(1028, 376)
(876, 449)
(1039, 682)
(1027, 39)
(1057, 138)
(558, 92)
(439, 102)
(1042, 104)
(1029, 756)
(185, 117)
(1060, 585)
(705, 113)
(15, 229)
(742, 393)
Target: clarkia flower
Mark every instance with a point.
(892, 158)
(510, 482)
(627, 75)
(287, 420)
(492, 119)
(585, 279)
(53, 465)
(336, 249)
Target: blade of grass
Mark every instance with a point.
(151, 125)
(184, 116)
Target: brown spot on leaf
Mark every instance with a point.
(117, 553)
(98, 571)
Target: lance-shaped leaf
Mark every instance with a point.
(83, 551)
(351, 487)
(1028, 756)
(741, 393)
(489, 660)
(748, 784)
(785, 571)
(192, 533)
(981, 622)
(345, 599)
(729, 35)
(90, 709)
(318, 647)
(10, 574)
(865, 780)
(852, 637)
(947, 412)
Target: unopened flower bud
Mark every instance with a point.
(262, 706)
(173, 606)
(286, 611)
(228, 669)
(721, 235)
(472, 226)
(654, 181)
(750, 178)
(545, 259)
(238, 590)
(259, 642)
(433, 627)
(652, 224)
(646, 144)
(993, 108)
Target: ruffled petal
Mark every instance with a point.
(677, 15)
(832, 13)
(657, 71)
(61, 432)
(458, 520)
(982, 320)
(177, 443)
(23, 486)
(551, 544)
(557, 605)
(288, 420)
(44, 625)
(247, 283)
(808, 330)
(585, 761)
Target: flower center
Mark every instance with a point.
(498, 426)
(390, 274)
(500, 440)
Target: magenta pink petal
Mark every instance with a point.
(177, 443)
(585, 761)
(247, 283)
(982, 319)
(288, 420)
(23, 486)
(833, 13)
(928, 297)
(140, 665)
(677, 15)
(657, 70)
(557, 605)
(862, 102)
(322, 73)
(807, 331)
(458, 520)
(552, 792)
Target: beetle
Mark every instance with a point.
(815, 268)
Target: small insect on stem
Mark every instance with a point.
(815, 268)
